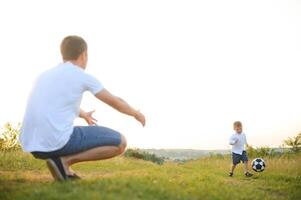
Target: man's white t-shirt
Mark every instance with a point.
(238, 142)
(53, 105)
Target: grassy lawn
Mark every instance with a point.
(23, 177)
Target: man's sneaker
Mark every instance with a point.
(230, 174)
(73, 177)
(248, 174)
(56, 168)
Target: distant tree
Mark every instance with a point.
(294, 143)
(140, 154)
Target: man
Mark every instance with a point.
(47, 130)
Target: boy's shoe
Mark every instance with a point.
(56, 168)
(230, 174)
(248, 174)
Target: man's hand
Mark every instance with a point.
(88, 117)
(140, 118)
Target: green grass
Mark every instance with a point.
(23, 177)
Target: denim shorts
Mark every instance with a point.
(236, 158)
(82, 139)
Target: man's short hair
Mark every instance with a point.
(72, 47)
(237, 124)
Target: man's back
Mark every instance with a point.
(53, 105)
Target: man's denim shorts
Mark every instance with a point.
(236, 158)
(82, 139)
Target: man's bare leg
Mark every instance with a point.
(98, 153)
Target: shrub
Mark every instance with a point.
(294, 143)
(139, 154)
(9, 136)
(261, 152)
(264, 151)
(251, 151)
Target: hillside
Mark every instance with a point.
(185, 154)
(23, 177)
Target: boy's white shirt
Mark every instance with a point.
(53, 105)
(238, 142)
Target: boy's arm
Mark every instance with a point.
(120, 105)
(233, 140)
(246, 142)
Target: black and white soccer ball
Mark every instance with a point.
(258, 165)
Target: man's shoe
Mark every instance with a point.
(230, 174)
(248, 174)
(56, 168)
(73, 177)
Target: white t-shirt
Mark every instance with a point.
(238, 142)
(53, 105)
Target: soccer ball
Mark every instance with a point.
(258, 165)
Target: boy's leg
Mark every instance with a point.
(244, 159)
(246, 167)
(235, 161)
(246, 163)
(232, 168)
(247, 173)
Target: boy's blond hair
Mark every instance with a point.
(237, 124)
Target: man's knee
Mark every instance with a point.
(123, 144)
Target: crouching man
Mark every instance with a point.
(47, 129)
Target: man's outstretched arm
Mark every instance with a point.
(120, 105)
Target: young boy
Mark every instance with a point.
(238, 141)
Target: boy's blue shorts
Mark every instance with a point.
(82, 139)
(236, 158)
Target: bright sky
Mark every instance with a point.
(192, 67)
